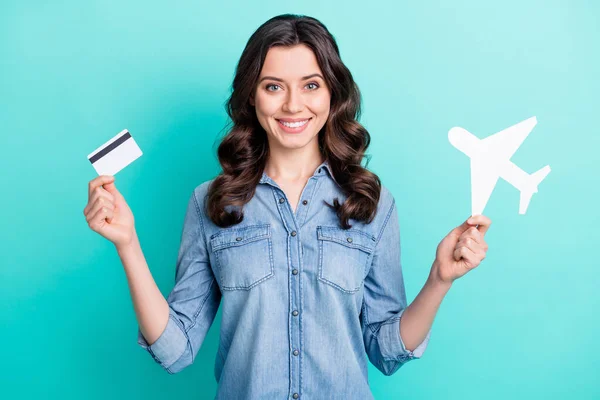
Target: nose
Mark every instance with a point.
(463, 140)
(293, 102)
(455, 136)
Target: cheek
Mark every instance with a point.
(266, 105)
(320, 105)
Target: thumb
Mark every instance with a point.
(456, 232)
(111, 188)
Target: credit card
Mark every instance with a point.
(116, 154)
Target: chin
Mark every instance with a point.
(293, 146)
(296, 142)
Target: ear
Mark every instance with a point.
(251, 99)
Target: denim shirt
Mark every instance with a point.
(304, 302)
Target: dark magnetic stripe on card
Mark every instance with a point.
(110, 147)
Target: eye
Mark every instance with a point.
(313, 83)
(269, 85)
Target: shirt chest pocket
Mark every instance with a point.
(344, 255)
(243, 256)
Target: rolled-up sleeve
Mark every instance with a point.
(193, 301)
(384, 302)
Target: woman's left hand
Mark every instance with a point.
(461, 250)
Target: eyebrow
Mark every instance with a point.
(281, 80)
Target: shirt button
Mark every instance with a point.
(294, 313)
(295, 271)
(305, 202)
(296, 352)
(349, 240)
(281, 199)
(293, 233)
(295, 395)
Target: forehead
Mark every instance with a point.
(290, 63)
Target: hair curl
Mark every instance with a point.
(244, 150)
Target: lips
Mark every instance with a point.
(297, 129)
(292, 119)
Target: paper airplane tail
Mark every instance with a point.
(534, 181)
(524, 203)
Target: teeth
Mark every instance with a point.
(294, 124)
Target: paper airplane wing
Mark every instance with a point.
(504, 144)
(484, 176)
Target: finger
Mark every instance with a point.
(98, 205)
(467, 255)
(470, 244)
(460, 229)
(97, 197)
(482, 221)
(473, 233)
(477, 249)
(102, 190)
(462, 252)
(99, 193)
(480, 255)
(98, 181)
(476, 235)
(99, 219)
(112, 189)
(471, 259)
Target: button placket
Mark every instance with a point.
(306, 196)
(292, 226)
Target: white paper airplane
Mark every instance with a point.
(490, 159)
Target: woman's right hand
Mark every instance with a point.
(107, 212)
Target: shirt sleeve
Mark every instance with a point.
(384, 302)
(193, 301)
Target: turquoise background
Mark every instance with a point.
(523, 325)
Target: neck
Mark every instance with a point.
(293, 165)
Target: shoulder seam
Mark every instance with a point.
(199, 213)
(387, 218)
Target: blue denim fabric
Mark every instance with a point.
(304, 302)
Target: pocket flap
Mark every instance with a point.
(348, 237)
(239, 236)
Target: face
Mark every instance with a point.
(291, 98)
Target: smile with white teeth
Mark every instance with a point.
(294, 124)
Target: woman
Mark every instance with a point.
(296, 241)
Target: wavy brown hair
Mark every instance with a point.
(244, 150)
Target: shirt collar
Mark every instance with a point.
(323, 169)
